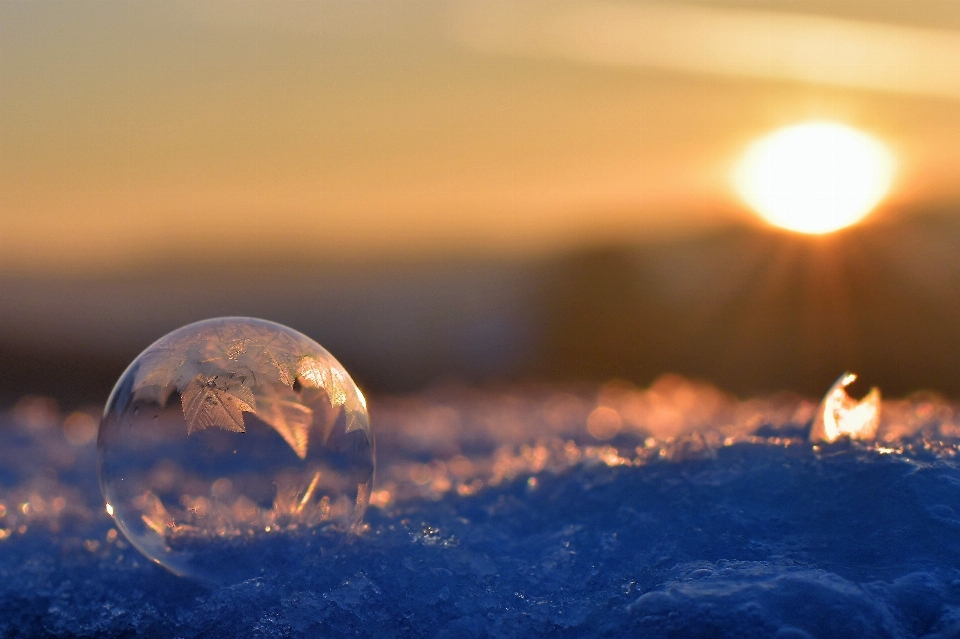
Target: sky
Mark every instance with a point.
(143, 135)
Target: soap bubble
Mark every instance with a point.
(227, 438)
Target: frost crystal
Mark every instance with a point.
(213, 402)
(225, 370)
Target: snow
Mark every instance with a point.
(496, 514)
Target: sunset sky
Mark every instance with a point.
(139, 134)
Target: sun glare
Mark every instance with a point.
(816, 177)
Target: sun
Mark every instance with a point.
(815, 177)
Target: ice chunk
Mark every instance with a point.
(840, 415)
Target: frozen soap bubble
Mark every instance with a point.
(228, 438)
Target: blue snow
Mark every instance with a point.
(765, 537)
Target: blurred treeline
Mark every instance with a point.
(749, 310)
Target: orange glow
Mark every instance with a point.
(816, 177)
(620, 121)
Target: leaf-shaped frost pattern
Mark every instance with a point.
(313, 373)
(317, 373)
(222, 349)
(269, 355)
(282, 410)
(159, 371)
(216, 402)
(158, 368)
(337, 391)
(356, 409)
(356, 420)
(276, 356)
(355, 402)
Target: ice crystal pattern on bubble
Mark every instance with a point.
(225, 370)
(229, 430)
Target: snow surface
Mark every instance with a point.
(498, 514)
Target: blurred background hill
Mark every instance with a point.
(452, 190)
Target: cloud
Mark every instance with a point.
(718, 41)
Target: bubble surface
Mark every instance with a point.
(228, 436)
